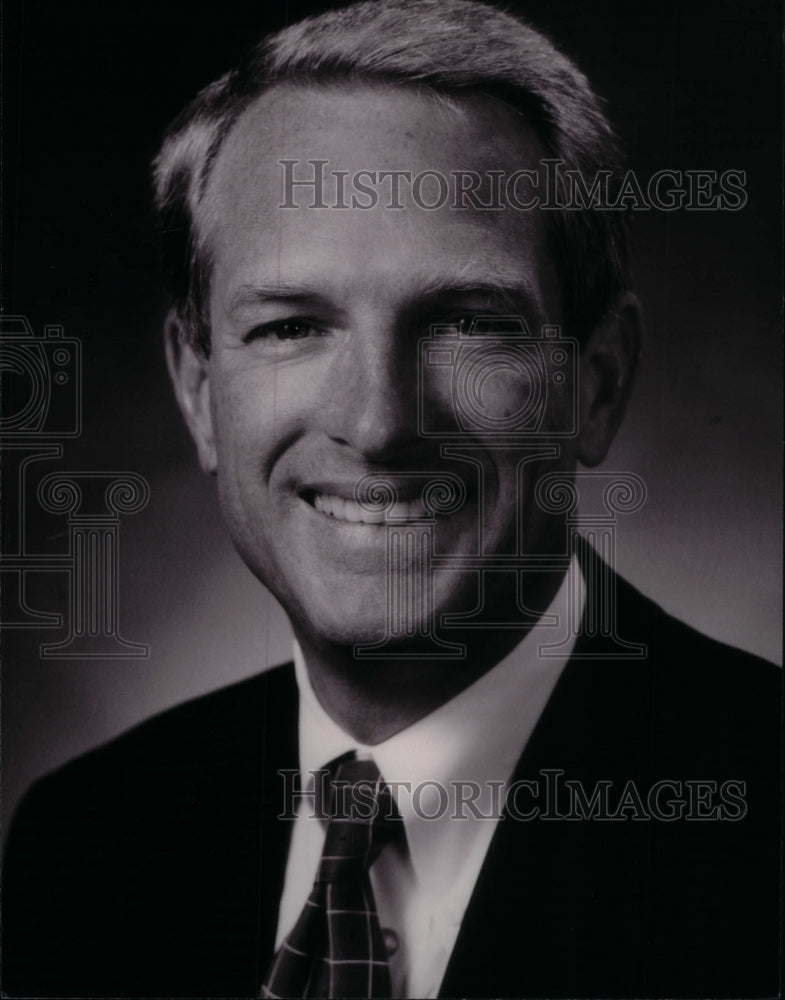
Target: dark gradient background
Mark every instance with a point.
(89, 88)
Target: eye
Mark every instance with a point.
(284, 330)
(485, 323)
(460, 323)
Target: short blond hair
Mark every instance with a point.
(445, 46)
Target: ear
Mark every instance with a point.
(609, 359)
(190, 373)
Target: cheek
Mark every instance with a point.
(258, 413)
(244, 403)
(268, 398)
(243, 426)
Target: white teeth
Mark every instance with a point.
(350, 510)
(410, 511)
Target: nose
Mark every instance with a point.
(369, 399)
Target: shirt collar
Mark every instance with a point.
(475, 739)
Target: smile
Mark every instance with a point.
(342, 509)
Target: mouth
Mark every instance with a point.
(348, 510)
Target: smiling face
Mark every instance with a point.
(314, 374)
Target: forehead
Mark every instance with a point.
(261, 228)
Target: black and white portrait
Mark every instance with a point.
(391, 560)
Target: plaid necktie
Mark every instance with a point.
(336, 949)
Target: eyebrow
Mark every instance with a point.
(497, 296)
(252, 295)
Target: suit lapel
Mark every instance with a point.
(559, 906)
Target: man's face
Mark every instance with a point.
(316, 316)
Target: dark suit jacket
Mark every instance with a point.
(153, 866)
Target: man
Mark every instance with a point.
(585, 813)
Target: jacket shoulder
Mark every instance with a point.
(212, 726)
(681, 653)
(117, 850)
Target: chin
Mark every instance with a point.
(345, 624)
(342, 619)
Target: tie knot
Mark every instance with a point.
(361, 819)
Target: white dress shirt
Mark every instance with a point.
(472, 741)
